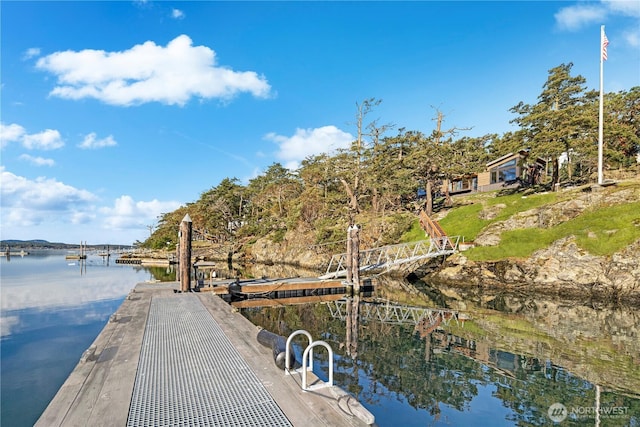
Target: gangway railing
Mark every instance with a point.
(397, 314)
(388, 257)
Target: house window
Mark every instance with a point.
(504, 172)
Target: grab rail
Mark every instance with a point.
(287, 368)
(307, 356)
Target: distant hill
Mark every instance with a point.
(44, 244)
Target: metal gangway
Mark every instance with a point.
(396, 314)
(385, 258)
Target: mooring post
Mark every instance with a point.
(185, 254)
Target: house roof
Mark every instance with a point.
(498, 160)
(521, 153)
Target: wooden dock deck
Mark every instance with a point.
(168, 358)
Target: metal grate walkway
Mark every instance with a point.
(189, 374)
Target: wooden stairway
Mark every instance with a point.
(435, 231)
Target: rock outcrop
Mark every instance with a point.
(562, 269)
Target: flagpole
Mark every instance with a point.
(603, 53)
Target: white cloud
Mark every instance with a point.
(579, 15)
(10, 133)
(31, 53)
(37, 161)
(46, 140)
(48, 209)
(91, 141)
(31, 202)
(177, 14)
(308, 142)
(8, 324)
(127, 213)
(624, 7)
(149, 73)
(575, 17)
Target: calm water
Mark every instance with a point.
(52, 310)
(495, 360)
(487, 360)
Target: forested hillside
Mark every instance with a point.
(381, 180)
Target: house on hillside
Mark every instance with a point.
(500, 173)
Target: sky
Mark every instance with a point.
(113, 113)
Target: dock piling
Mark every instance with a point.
(185, 254)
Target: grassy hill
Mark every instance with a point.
(604, 220)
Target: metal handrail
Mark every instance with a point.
(305, 357)
(287, 368)
(393, 255)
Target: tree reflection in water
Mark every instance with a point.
(517, 361)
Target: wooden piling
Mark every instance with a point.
(185, 254)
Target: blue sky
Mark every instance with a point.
(115, 112)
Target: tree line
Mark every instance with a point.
(382, 177)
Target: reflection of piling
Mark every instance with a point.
(352, 320)
(185, 254)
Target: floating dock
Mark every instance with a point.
(296, 288)
(152, 262)
(170, 358)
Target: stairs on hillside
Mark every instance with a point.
(435, 231)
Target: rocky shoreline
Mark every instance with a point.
(561, 270)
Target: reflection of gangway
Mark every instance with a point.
(397, 314)
(386, 258)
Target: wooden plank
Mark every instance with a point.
(289, 286)
(99, 389)
(322, 407)
(217, 290)
(276, 302)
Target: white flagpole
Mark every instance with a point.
(601, 112)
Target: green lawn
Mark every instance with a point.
(600, 231)
(465, 221)
(603, 231)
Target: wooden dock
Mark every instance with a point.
(279, 289)
(127, 378)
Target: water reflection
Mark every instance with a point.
(464, 362)
(51, 311)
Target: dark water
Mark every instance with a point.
(52, 310)
(489, 360)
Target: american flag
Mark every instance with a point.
(605, 43)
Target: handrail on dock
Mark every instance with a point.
(287, 368)
(307, 356)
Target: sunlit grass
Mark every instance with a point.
(465, 221)
(414, 234)
(602, 231)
